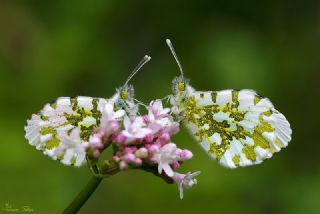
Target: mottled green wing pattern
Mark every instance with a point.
(58, 121)
(238, 128)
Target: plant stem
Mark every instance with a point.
(83, 196)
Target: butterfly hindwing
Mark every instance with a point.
(79, 115)
(238, 128)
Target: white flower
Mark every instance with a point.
(166, 156)
(134, 129)
(109, 119)
(185, 181)
(70, 148)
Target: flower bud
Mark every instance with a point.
(115, 158)
(164, 138)
(123, 165)
(153, 160)
(154, 148)
(185, 155)
(96, 153)
(120, 138)
(137, 162)
(149, 138)
(129, 157)
(175, 165)
(141, 153)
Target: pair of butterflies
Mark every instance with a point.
(237, 128)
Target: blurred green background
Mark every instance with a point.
(68, 48)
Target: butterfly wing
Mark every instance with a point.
(238, 128)
(64, 119)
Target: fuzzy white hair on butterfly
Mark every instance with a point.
(237, 128)
(59, 128)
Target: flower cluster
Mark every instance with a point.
(142, 142)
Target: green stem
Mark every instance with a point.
(83, 196)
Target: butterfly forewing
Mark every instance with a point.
(65, 115)
(238, 128)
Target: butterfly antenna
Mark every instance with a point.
(174, 55)
(145, 59)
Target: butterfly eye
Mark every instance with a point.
(181, 86)
(120, 104)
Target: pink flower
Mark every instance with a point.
(95, 145)
(110, 119)
(184, 154)
(135, 130)
(156, 109)
(185, 181)
(158, 117)
(172, 128)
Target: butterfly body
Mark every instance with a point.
(237, 128)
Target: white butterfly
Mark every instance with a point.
(237, 128)
(60, 127)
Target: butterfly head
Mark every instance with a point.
(124, 97)
(126, 92)
(179, 85)
(181, 91)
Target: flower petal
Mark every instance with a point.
(167, 169)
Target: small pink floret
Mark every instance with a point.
(164, 138)
(96, 153)
(115, 158)
(185, 155)
(154, 148)
(141, 153)
(129, 157)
